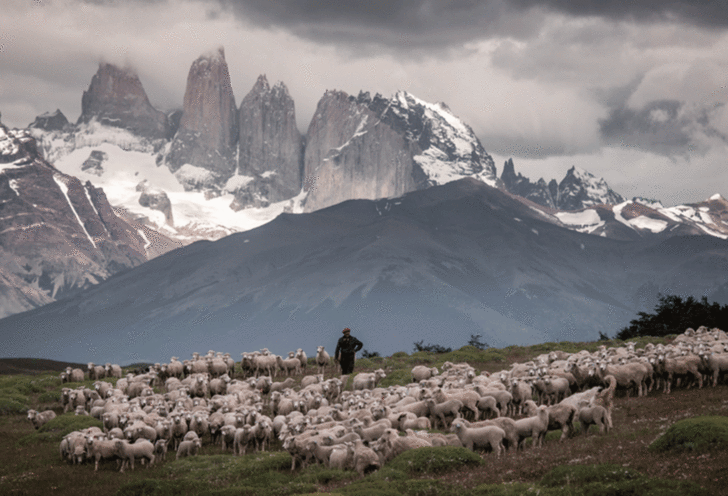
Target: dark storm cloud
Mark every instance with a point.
(666, 127)
(423, 23)
(709, 13)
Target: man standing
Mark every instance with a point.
(346, 350)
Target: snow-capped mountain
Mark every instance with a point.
(57, 234)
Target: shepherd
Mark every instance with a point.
(346, 350)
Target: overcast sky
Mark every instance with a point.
(634, 92)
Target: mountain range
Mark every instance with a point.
(211, 169)
(436, 265)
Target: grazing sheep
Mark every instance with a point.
(422, 373)
(188, 448)
(40, 418)
(392, 444)
(322, 359)
(596, 415)
(535, 427)
(480, 437)
(368, 380)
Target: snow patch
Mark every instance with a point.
(237, 182)
(586, 221)
(653, 225)
(64, 189)
(716, 197)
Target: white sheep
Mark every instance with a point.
(322, 359)
(188, 448)
(368, 380)
(596, 415)
(480, 437)
(40, 418)
(422, 373)
(301, 355)
(535, 427)
(128, 452)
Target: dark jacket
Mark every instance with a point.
(347, 346)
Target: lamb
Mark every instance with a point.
(556, 389)
(128, 452)
(521, 391)
(342, 456)
(368, 380)
(160, 449)
(322, 360)
(441, 411)
(535, 427)
(480, 437)
(422, 373)
(487, 405)
(188, 448)
(504, 398)
(311, 379)
(241, 440)
(100, 449)
(40, 418)
(596, 415)
(280, 386)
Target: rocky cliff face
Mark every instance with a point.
(270, 148)
(57, 234)
(117, 98)
(351, 153)
(54, 121)
(579, 189)
(363, 147)
(203, 149)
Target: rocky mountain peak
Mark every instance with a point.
(50, 121)
(577, 190)
(580, 189)
(270, 147)
(117, 98)
(208, 132)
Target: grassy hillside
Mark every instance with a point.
(685, 461)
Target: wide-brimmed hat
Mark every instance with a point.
(346, 329)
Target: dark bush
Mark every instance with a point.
(435, 460)
(694, 434)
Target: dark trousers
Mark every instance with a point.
(347, 363)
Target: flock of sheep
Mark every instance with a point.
(362, 429)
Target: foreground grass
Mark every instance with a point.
(619, 463)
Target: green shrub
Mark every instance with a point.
(400, 354)
(428, 487)
(399, 377)
(509, 489)
(59, 427)
(435, 460)
(694, 434)
(12, 402)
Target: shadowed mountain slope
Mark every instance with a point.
(437, 265)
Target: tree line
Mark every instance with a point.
(673, 314)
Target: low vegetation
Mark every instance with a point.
(661, 445)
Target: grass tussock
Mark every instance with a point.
(55, 430)
(698, 434)
(432, 461)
